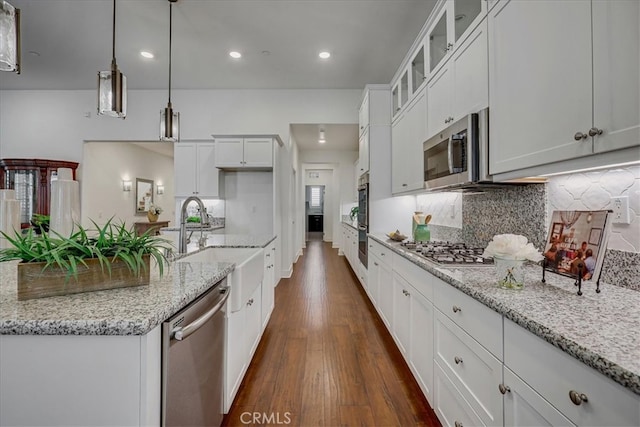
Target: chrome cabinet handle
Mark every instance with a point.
(458, 424)
(382, 253)
(449, 46)
(595, 131)
(579, 136)
(457, 360)
(503, 388)
(456, 309)
(250, 301)
(375, 263)
(577, 398)
(405, 185)
(405, 292)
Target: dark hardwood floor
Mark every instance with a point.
(326, 358)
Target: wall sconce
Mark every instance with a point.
(126, 185)
(160, 189)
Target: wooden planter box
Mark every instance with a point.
(34, 282)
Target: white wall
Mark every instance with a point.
(105, 165)
(248, 202)
(53, 124)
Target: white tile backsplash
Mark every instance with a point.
(445, 208)
(593, 191)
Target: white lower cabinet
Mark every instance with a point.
(524, 407)
(402, 313)
(386, 294)
(421, 342)
(268, 283)
(475, 372)
(450, 407)
(580, 393)
(477, 368)
(244, 329)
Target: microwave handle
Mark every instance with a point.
(450, 154)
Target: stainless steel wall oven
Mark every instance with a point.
(363, 218)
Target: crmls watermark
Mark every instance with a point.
(264, 418)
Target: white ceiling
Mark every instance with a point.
(339, 137)
(367, 38)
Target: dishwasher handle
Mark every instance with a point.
(180, 333)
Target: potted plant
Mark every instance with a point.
(153, 212)
(40, 223)
(110, 257)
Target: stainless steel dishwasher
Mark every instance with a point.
(193, 361)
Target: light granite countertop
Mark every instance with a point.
(352, 224)
(125, 311)
(601, 330)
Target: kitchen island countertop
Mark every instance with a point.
(124, 311)
(601, 330)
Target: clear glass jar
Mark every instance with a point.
(510, 272)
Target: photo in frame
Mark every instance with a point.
(575, 239)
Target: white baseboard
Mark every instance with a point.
(286, 274)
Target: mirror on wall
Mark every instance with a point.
(144, 195)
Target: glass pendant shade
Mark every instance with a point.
(112, 93)
(169, 125)
(112, 84)
(9, 37)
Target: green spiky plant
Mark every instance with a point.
(107, 244)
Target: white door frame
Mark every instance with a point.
(335, 204)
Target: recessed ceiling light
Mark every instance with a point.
(324, 54)
(146, 54)
(235, 54)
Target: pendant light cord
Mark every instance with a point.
(170, 32)
(113, 45)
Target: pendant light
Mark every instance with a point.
(112, 84)
(170, 120)
(9, 37)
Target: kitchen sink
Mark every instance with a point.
(244, 279)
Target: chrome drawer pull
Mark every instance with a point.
(577, 398)
(458, 424)
(503, 388)
(456, 309)
(457, 360)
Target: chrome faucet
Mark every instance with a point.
(183, 222)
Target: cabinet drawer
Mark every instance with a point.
(382, 252)
(553, 374)
(417, 277)
(479, 321)
(451, 408)
(475, 372)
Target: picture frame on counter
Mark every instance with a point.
(576, 243)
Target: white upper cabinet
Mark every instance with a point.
(238, 153)
(363, 153)
(364, 114)
(460, 87)
(408, 133)
(450, 27)
(195, 171)
(616, 67)
(540, 87)
(418, 71)
(562, 94)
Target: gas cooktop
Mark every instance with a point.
(448, 254)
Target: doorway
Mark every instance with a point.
(314, 211)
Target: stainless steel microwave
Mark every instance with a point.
(458, 156)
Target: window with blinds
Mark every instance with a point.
(315, 197)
